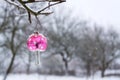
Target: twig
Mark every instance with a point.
(50, 5)
(29, 17)
(30, 11)
(12, 3)
(25, 2)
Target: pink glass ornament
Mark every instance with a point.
(37, 42)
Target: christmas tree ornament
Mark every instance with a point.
(37, 43)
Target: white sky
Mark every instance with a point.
(104, 12)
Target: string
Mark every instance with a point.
(38, 24)
(42, 29)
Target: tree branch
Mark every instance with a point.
(39, 12)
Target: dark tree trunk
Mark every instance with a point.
(66, 67)
(104, 67)
(9, 68)
(65, 57)
(28, 68)
(88, 69)
(28, 65)
(103, 72)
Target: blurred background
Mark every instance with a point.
(83, 42)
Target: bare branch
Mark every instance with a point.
(16, 5)
(48, 7)
(30, 11)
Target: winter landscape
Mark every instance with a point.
(59, 40)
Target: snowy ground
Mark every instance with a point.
(46, 77)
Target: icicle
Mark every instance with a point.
(37, 57)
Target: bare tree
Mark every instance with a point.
(98, 49)
(61, 37)
(109, 50)
(14, 39)
(87, 49)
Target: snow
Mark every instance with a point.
(112, 72)
(47, 77)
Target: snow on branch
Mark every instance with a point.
(30, 11)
